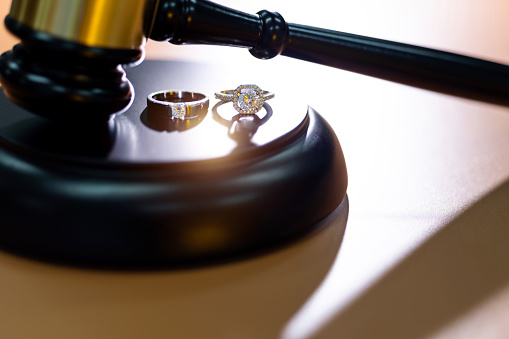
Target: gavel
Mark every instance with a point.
(68, 65)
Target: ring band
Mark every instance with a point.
(177, 104)
(247, 99)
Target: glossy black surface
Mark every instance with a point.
(126, 194)
(204, 22)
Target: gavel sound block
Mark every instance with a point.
(137, 191)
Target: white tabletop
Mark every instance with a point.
(419, 249)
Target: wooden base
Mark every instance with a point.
(140, 191)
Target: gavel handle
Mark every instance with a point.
(267, 35)
(402, 63)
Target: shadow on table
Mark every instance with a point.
(466, 262)
(251, 298)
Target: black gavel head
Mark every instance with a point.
(68, 64)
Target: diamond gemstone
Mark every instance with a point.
(249, 99)
(178, 111)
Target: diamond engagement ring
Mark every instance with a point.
(177, 104)
(247, 99)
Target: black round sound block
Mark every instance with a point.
(145, 190)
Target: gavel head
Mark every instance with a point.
(68, 64)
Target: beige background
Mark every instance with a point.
(6, 39)
(420, 249)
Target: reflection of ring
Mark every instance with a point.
(225, 122)
(242, 127)
(177, 104)
(247, 99)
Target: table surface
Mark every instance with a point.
(418, 249)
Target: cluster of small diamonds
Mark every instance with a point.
(223, 97)
(247, 99)
(268, 95)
